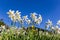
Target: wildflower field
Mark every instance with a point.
(31, 32)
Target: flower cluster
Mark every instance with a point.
(33, 20)
(50, 25)
(16, 16)
(36, 19)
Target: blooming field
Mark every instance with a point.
(31, 32)
(27, 34)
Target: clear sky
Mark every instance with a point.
(49, 9)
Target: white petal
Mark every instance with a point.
(58, 22)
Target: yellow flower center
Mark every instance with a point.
(12, 16)
(32, 27)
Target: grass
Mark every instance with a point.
(27, 34)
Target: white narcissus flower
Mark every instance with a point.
(28, 21)
(3, 26)
(56, 27)
(49, 24)
(39, 19)
(13, 18)
(18, 13)
(58, 22)
(58, 31)
(53, 28)
(18, 16)
(25, 17)
(11, 12)
(33, 16)
(36, 20)
(12, 15)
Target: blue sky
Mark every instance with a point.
(49, 9)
